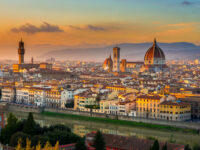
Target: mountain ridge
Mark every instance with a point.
(129, 51)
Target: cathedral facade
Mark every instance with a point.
(154, 61)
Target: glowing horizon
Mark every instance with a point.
(76, 23)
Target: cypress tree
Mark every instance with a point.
(29, 127)
(99, 143)
(187, 147)
(155, 145)
(165, 146)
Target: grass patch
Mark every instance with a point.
(121, 122)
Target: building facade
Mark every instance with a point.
(147, 106)
(175, 110)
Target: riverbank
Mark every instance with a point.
(82, 127)
(121, 122)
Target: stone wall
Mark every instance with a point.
(22, 108)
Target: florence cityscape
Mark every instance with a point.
(100, 75)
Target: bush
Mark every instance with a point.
(16, 136)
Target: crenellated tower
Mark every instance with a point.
(21, 52)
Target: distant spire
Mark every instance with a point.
(154, 42)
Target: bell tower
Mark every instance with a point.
(21, 52)
(116, 58)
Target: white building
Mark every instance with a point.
(8, 94)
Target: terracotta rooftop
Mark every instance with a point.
(149, 97)
(175, 103)
(129, 143)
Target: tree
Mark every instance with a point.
(70, 105)
(29, 127)
(28, 145)
(80, 145)
(10, 128)
(38, 147)
(18, 136)
(155, 145)
(187, 147)
(196, 147)
(56, 147)
(99, 142)
(19, 145)
(165, 146)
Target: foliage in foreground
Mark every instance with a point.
(99, 143)
(37, 147)
(29, 129)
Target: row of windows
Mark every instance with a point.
(167, 112)
(148, 110)
(151, 104)
(170, 118)
(147, 100)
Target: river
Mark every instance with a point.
(83, 127)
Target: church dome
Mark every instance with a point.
(154, 55)
(108, 64)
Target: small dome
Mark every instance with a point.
(154, 52)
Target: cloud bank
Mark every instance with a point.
(88, 27)
(31, 29)
(187, 3)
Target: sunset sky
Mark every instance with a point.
(54, 24)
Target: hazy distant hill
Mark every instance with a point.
(130, 51)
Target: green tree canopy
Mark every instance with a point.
(99, 142)
(30, 125)
(187, 147)
(155, 145)
(164, 147)
(18, 135)
(196, 147)
(80, 145)
(10, 128)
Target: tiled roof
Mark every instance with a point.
(131, 143)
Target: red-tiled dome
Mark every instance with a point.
(154, 52)
(108, 62)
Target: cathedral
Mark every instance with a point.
(154, 61)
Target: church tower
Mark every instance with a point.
(21, 52)
(116, 59)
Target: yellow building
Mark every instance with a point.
(53, 98)
(175, 110)
(81, 101)
(147, 106)
(104, 105)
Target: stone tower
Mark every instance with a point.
(116, 59)
(21, 52)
